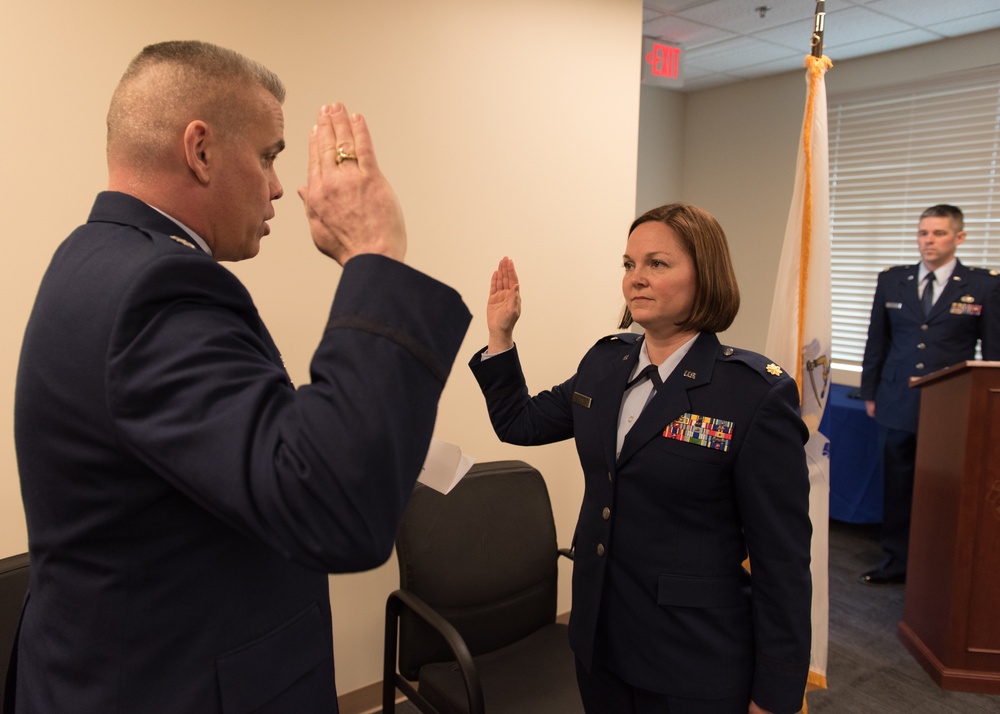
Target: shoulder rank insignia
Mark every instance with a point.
(773, 369)
(994, 273)
(183, 241)
(628, 338)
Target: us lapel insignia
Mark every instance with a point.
(701, 431)
(582, 399)
(689, 374)
(183, 241)
(773, 369)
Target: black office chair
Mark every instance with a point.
(476, 609)
(13, 586)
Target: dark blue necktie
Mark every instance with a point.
(928, 297)
(651, 371)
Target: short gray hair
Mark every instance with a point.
(172, 83)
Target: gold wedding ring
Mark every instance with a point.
(344, 155)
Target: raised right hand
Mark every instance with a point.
(503, 307)
(350, 205)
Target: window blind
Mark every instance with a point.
(894, 153)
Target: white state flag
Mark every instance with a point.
(798, 338)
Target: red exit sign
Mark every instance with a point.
(664, 61)
(662, 64)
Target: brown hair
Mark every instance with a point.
(944, 210)
(717, 296)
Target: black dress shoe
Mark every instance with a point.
(880, 577)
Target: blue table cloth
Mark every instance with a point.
(855, 462)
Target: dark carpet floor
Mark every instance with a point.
(869, 669)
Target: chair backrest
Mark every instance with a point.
(13, 585)
(483, 556)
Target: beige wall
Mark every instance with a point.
(505, 126)
(661, 148)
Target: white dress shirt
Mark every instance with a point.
(638, 395)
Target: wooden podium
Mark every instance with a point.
(951, 611)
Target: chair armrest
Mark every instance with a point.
(404, 600)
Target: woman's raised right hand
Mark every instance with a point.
(503, 307)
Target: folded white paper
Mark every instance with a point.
(444, 466)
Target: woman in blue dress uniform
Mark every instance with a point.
(690, 466)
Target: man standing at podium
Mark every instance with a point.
(924, 317)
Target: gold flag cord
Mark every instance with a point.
(817, 67)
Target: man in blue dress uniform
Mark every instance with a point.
(924, 317)
(184, 500)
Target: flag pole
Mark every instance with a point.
(799, 331)
(818, 26)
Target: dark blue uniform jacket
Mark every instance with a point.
(902, 343)
(184, 501)
(659, 592)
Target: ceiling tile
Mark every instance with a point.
(795, 35)
(672, 5)
(874, 45)
(726, 41)
(742, 17)
(858, 23)
(765, 69)
(927, 13)
(739, 51)
(967, 25)
(684, 32)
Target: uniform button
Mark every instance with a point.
(606, 513)
(920, 365)
(921, 346)
(728, 352)
(600, 550)
(924, 327)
